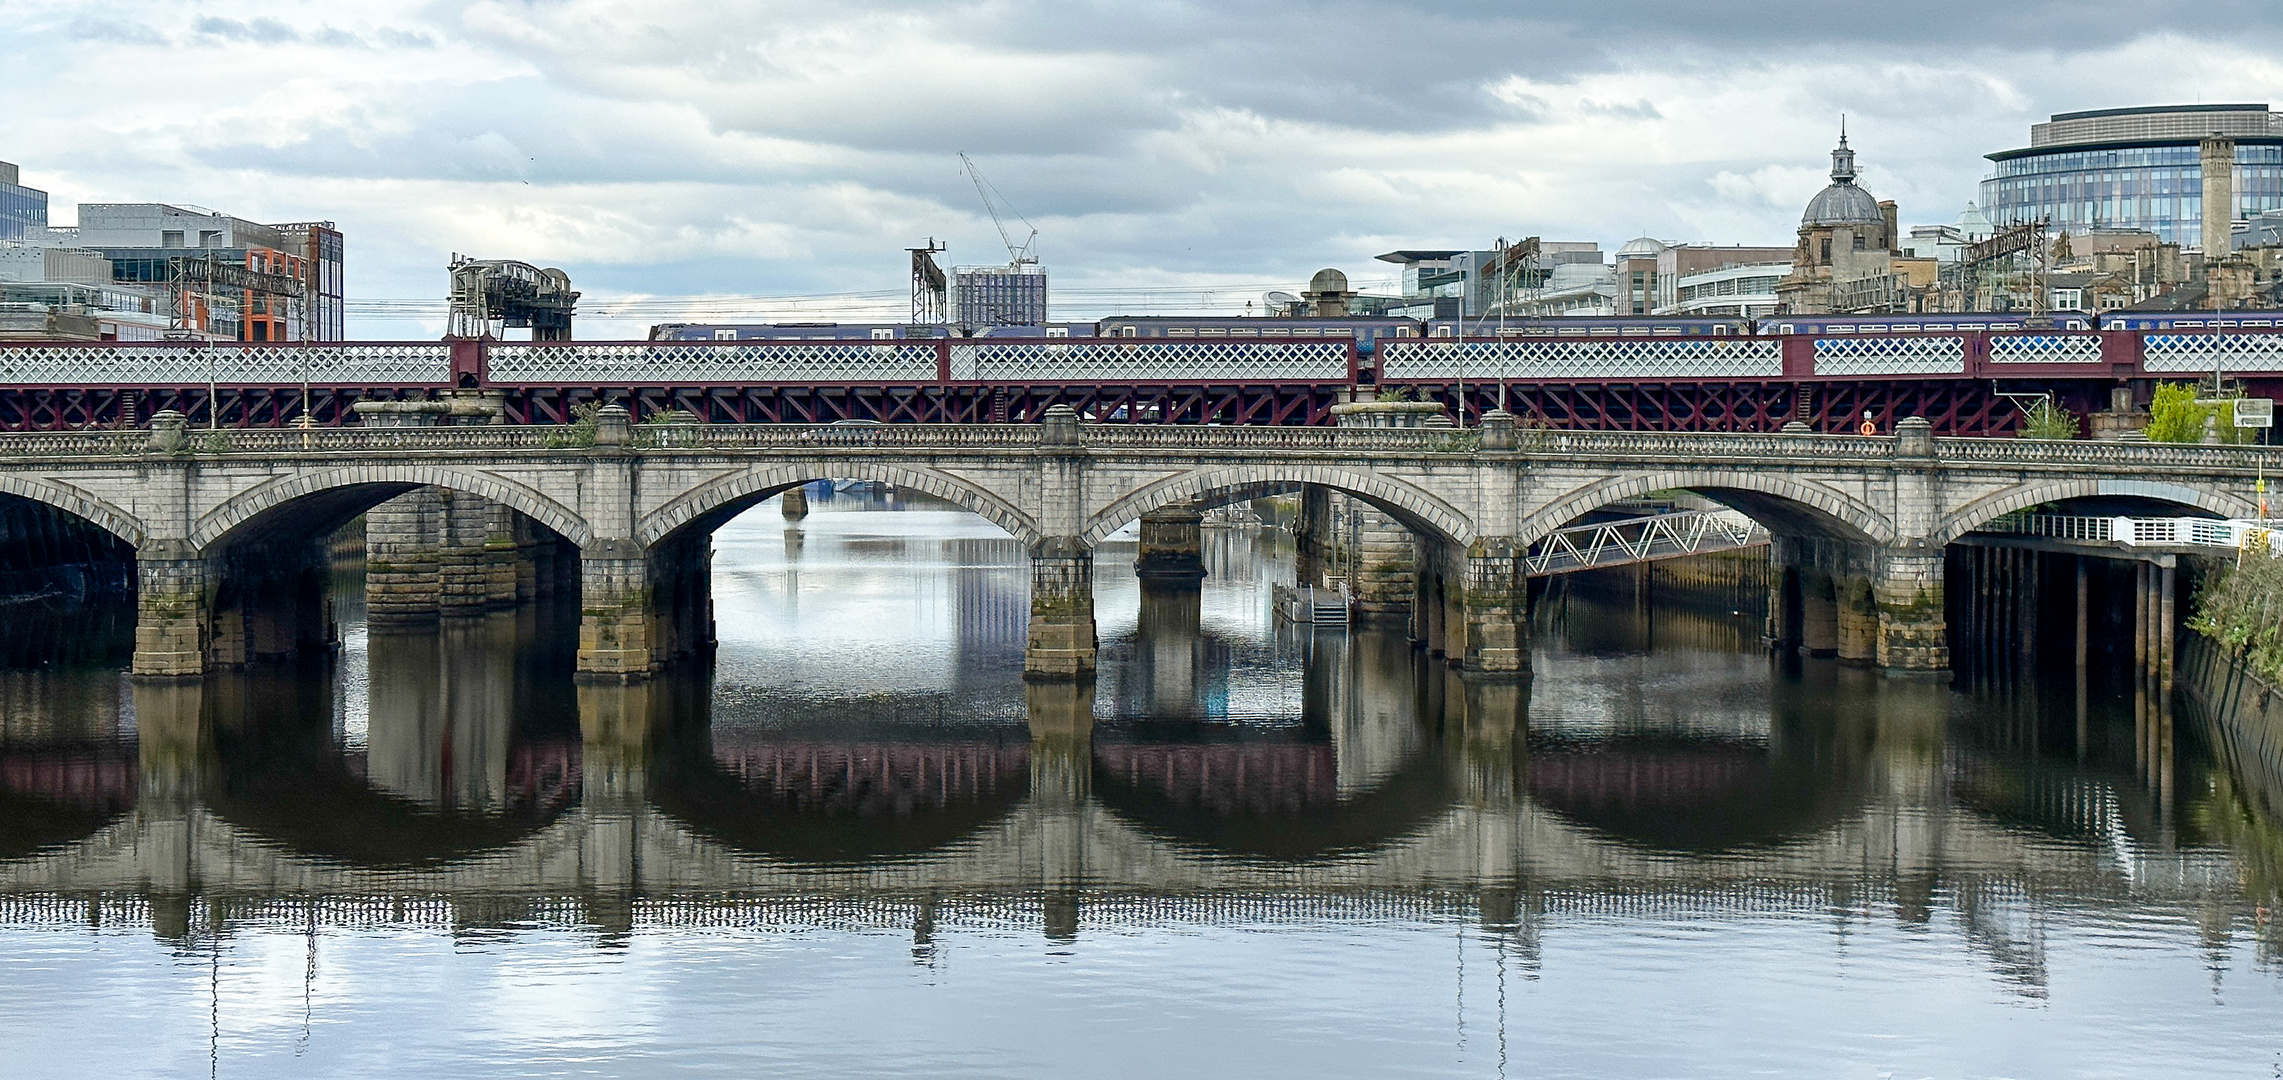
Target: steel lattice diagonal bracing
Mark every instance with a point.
(1632, 540)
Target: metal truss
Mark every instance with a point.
(1658, 536)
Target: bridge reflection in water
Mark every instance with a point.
(1222, 771)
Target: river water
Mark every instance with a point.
(860, 845)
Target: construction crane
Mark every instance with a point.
(1017, 254)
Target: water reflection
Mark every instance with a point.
(864, 755)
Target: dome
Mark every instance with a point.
(1328, 280)
(1843, 204)
(1641, 247)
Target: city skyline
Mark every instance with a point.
(1175, 149)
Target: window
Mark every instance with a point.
(170, 238)
(1058, 331)
(209, 238)
(883, 333)
(724, 334)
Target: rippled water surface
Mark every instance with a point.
(860, 845)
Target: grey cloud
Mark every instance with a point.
(117, 31)
(265, 30)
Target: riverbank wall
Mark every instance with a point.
(2240, 715)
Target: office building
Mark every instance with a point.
(2139, 168)
(23, 210)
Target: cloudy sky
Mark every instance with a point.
(1170, 155)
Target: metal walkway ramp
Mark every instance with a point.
(1641, 539)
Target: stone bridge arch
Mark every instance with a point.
(2023, 496)
(361, 486)
(715, 501)
(77, 503)
(1421, 510)
(1778, 500)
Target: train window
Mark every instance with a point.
(725, 334)
(1786, 329)
(1442, 331)
(1058, 331)
(1133, 331)
(883, 333)
(1179, 331)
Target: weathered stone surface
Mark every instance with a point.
(1062, 643)
(1888, 505)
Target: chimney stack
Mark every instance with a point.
(2218, 162)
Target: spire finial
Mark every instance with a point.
(1842, 129)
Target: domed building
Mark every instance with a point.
(1845, 257)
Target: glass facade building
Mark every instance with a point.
(22, 209)
(2135, 169)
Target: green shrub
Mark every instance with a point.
(2045, 420)
(2241, 608)
(580, 432)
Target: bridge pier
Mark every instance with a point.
(1062, 643)
(170, 611)
(403, 553)
(1172, 551)
(1913, 637)
(1495, 608)
(641, 610)
(1819, 614)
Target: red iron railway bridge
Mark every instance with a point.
(1960, 382)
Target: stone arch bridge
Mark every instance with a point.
(1870, 515)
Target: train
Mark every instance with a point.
(1368, 331)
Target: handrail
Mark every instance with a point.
(1631, 540)
(2232, 533)
(1536, 443)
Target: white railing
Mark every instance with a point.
(1658, 536)
(2234, 533)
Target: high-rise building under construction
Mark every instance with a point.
(1012, 295)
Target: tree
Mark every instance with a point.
(2174, 414)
